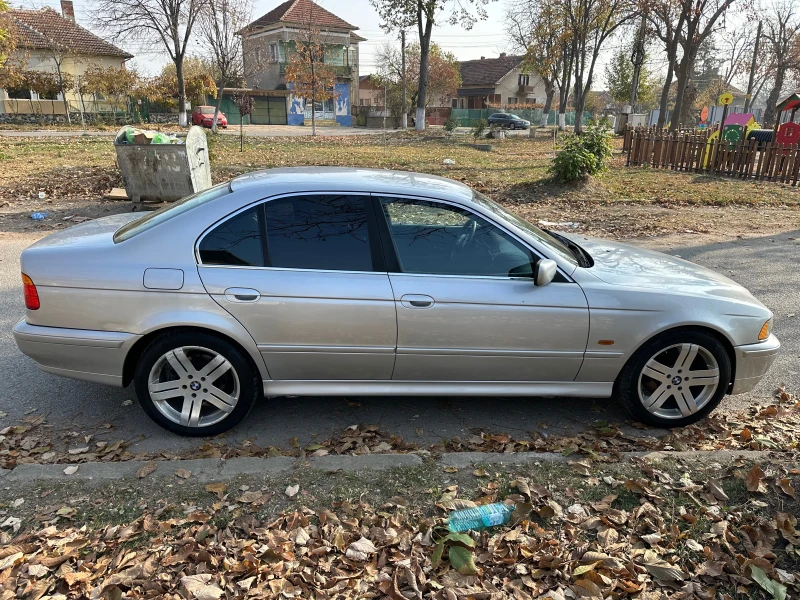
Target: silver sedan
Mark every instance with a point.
(332, 281)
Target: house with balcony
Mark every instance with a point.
(267, 43)
(497, 82)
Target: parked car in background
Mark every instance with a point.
(509, 121)
(334, 281)
(204, 116)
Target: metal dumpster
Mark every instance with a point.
(164, 172)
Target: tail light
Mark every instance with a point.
(31, 295)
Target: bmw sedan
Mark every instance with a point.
(509, 121)
(330, 281)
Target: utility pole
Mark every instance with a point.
(748, 101)
(404, 122)
(637, 58)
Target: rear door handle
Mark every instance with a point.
(416, 301)
(242, 295)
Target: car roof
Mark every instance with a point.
(351, 179)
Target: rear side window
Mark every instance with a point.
(150, 220)
(235, 242)
(324, 232)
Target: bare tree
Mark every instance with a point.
(219, 24)
(782, 37)
(538, 31)
(397, 15)
(665, 21)
(168, 22)
(590, 23)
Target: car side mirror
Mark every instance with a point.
(544, 272)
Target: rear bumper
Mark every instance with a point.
(96, 356)
(752, 362)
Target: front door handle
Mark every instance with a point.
(416, 301)
(242, 295)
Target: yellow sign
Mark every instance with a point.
(726, 98)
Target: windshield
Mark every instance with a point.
(170, 211)
(545, 238)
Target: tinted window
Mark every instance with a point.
(441, 239)
(150, 220)
(318, 232)
(236, 241)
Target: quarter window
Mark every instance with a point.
(440, 239)
(235, 242)
(319, 232)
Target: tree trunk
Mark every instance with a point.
(683, 80)
(217, 107)
(770, 114)
(550, 90)
(424, 51)
(63, 92)
(182, 121)
(313, 103)
(662, 107)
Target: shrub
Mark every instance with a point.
(582, 155)
(480, 128)
(361, 119)
(451, 123)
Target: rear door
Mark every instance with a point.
(467, 306)
(305, 275)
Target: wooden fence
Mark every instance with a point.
(746, 159)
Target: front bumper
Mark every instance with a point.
(752, 362)
(97, 356)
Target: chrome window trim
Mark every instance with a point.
(378, 196)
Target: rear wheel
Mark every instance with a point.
(195, 384)
(675, 379)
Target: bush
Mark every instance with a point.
(451, 123)
(582, 155)
(480, 128)
(361, 119)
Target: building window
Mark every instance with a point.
(524, 79)
(273, 53)
(495, 99)
(512, 100)
(18, 94)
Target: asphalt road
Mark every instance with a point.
(767, 266)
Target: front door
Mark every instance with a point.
(301, 274)
(467, 306)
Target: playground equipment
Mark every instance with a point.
(787, 133)
(737, 127)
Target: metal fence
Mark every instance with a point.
(469, 117)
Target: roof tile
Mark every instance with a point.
(41, 29)
(300, 11)
(487, 71)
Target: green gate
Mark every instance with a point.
(268, 110)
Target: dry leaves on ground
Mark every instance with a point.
(674, 539)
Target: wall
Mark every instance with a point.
(260, 72)
(508, 87)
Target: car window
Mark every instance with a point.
(327, 232)
(170, 211)
(440, 239)
(235, 242)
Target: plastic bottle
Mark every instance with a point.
(486, 515)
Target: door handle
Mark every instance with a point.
(242, 295)
(416, 301)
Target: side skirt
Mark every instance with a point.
(439, 388)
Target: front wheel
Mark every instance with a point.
(195, 384)
(675, 379)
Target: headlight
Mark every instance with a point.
(765, 330)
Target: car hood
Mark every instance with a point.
(626, 265)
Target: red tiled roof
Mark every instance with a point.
(44, 29)
(303, 12)
(487, 71)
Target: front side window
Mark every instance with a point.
(235, 242)
(440, 239)
(318, 232)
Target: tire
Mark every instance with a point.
(175, 372)
(512, 126)
(642, 383)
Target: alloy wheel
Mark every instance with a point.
(194, 386)
(678, 381)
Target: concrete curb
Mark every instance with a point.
(209, 469)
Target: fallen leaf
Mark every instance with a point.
(661, 569)
(480, 473)
(785, 485)
(71, 470)
(462, 560)
(250, 497)
(716, 490)
(217, 488)
(292, 490)
(755, 480)
(183, 473)
(777, 590)
(146, 469)
(360, 550)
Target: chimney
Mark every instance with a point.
(502, 55)
(483, 58)
(67, 10)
